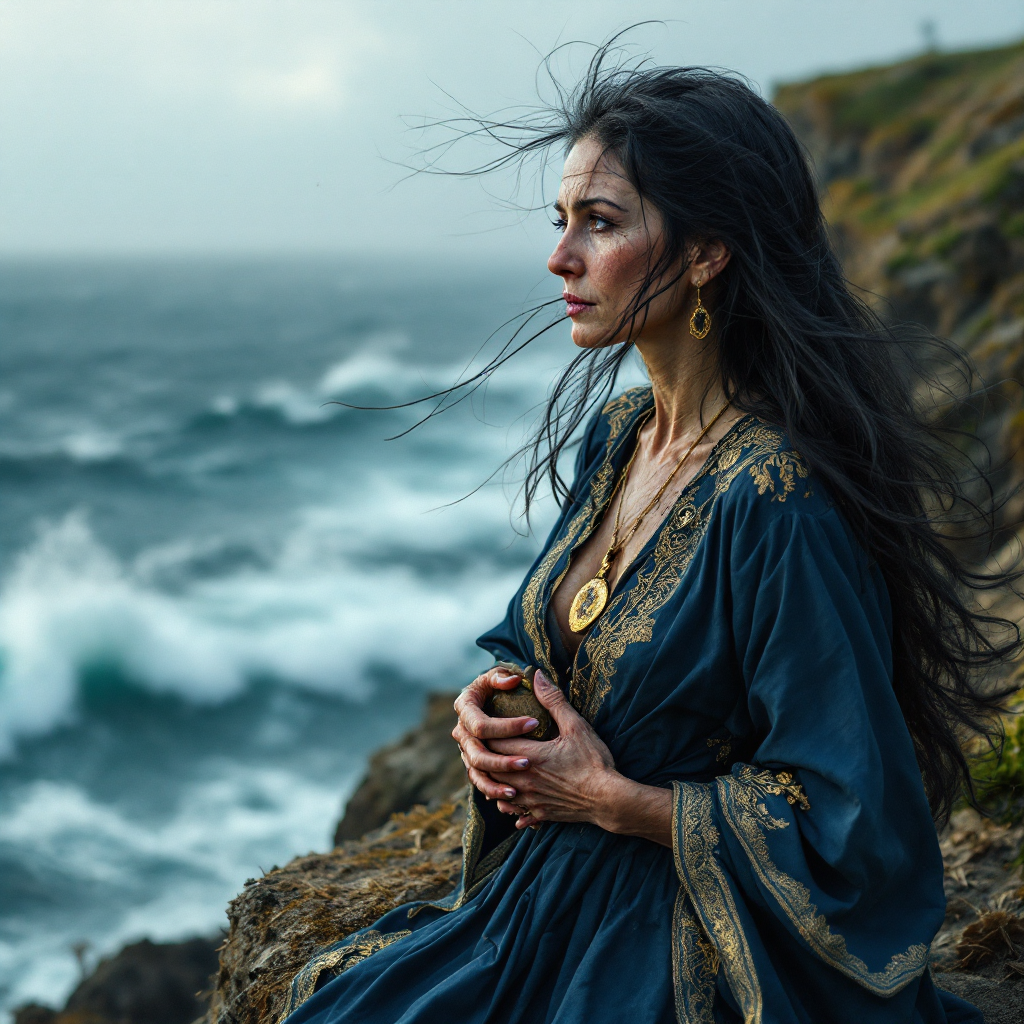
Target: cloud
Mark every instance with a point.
(248, 54)
(316, 85)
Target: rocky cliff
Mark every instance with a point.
(146, 983)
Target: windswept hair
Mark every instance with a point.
(798, 348)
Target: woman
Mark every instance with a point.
(752, 640)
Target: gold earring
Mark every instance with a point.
(700, 321)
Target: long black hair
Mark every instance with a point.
(798, 348)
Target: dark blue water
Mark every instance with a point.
(217, 592)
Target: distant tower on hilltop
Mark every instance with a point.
(929, 35)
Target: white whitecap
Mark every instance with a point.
(316, 615)
(293, 404)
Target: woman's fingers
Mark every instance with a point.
(475, 726)
(486, 728)
(564, 714)
(478, 756)
(501, 679)
(490, 789)
(519, 746)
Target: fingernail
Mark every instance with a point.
(539, 677)
(531, 724)
(510, 793)
(522, 763)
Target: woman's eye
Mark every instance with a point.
(559, 223)
(600, 224)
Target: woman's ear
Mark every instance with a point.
(709, 261)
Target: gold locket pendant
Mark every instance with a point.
(588, 604)
(591, 598)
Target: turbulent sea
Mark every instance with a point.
(219, 592)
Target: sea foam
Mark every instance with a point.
(317, 614)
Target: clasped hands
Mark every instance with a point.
(569, 778)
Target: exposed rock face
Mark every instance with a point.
(923, 169)
(146, 983)
(423, 766)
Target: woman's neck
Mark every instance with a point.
(687, 388)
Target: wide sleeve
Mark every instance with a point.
(814, 867)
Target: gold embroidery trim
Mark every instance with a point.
(694, 965)
(752, 446)
(694, 838)
(776, 783)
(475, 871)
(619, 412)
(337, 960)
(789, 466)
(741, 799)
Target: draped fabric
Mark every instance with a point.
(744, 662)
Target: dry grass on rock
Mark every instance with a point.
(280, 920)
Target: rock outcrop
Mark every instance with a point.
(280, 920)
(399, 840)
(423, 766)
(146, 983)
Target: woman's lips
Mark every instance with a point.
(574, 305)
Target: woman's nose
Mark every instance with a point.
(564, 262)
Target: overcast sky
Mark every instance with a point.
(267, 126)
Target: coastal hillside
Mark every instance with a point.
(922, 168)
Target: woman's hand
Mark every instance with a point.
(569, 778)
(475, 727)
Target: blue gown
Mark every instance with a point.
(744, 662)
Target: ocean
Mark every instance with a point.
(218, 591)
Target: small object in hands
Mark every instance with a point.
(522, 703)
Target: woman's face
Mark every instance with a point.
(608, 241)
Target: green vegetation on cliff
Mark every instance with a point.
(922, 165)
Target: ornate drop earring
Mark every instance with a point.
(700, 321)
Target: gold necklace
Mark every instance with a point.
(592, 597)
